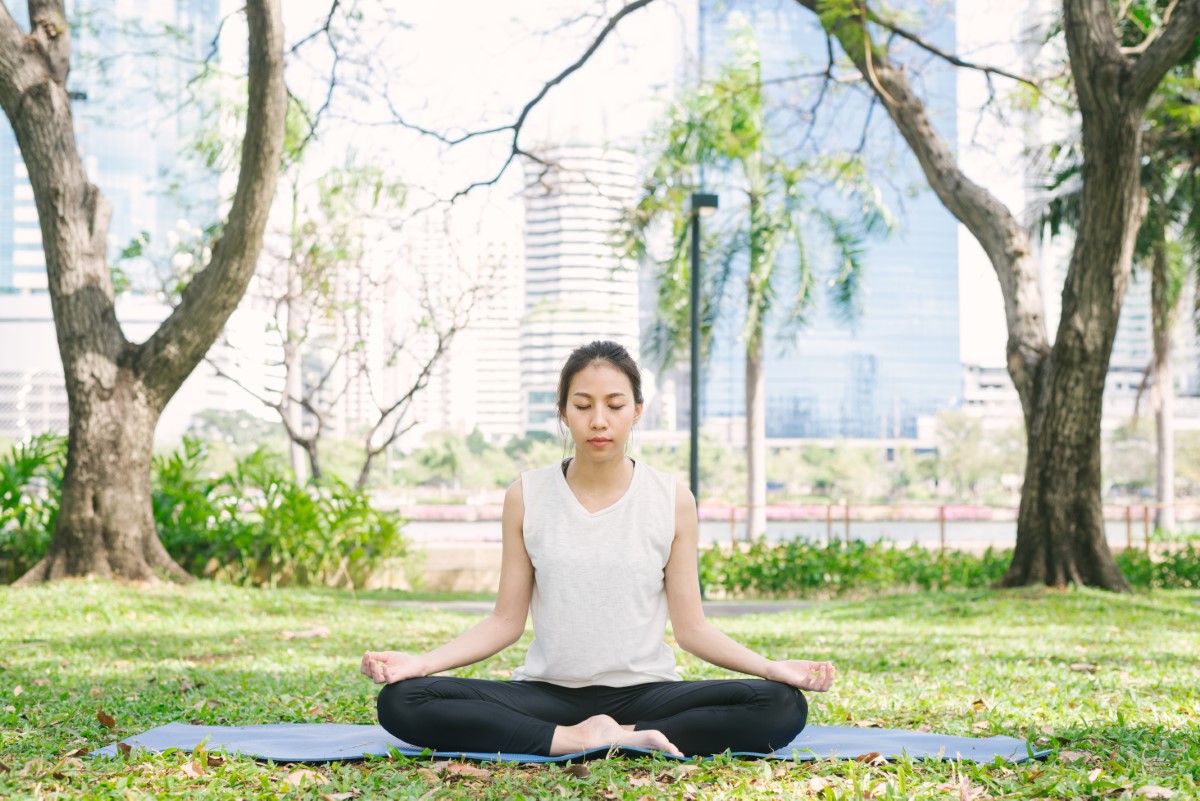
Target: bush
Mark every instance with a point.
(257, 525)
(30, 488)
(1173, 570)
(799, 568)
(252, 525)
(802, 569)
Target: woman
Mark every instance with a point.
(599, 549)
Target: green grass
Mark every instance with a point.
(1112, 681)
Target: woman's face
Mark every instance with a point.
(600, 411)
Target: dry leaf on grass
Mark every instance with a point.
(124, 748)
(1154, 791)
(1071, 756)
(18, 690)
(302, 776)
(1084, 667)
(817, 785)
(4, 768)
(578, 771)
(307, 634)
(41, 682)
(980, 705)
(95, 692)
(193, 769)
(640, 781)
(106, 720)
(427, 774)
(873, 758)
(464, 769)
(341, 796)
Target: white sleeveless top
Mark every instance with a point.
(599, 605)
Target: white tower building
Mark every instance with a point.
(578, 288)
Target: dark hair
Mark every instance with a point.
(599, 351)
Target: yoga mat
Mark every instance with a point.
(331, 742)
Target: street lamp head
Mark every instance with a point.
(703, 204)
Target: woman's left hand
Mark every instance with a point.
(803, 674)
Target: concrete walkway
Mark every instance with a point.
(711, 608)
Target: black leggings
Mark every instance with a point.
(519, 717)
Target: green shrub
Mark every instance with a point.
(799, 568)
(30, 488)
(1174, 570)
(252, 525)
(257, 525)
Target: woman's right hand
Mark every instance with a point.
(388, 667)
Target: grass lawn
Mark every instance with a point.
(1111, 681)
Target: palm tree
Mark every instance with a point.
(720, 126)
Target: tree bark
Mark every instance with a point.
(1060, 528)
(1162, 316)
(756, 441)
(116, 390)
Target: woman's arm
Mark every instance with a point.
(697, 636)
(497, 631)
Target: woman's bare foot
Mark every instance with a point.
(601, 730)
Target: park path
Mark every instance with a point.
(711, 608)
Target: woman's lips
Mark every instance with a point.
(599, 442)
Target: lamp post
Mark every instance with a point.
(702, 206)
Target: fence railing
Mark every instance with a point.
(838, 518)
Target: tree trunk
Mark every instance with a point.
(1060, 534)
(756, 442)
(105, 523)
(1161, 313)
(1060, 525)
(116, 390)
(301, 458)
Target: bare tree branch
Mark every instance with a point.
(1151, 36)
(1175, 38)
(545, 90)
(957, 61)
(323, 30)
(185, 336)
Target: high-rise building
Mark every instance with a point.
(131, 124)
(899, 360)
(475, 250)
(578, 287)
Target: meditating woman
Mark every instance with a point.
(599, 549)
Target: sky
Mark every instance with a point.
(460, 65)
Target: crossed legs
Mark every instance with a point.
(696, 717)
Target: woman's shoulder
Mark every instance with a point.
(532, 480)
(660, 478)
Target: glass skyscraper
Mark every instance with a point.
(899, 360)
(131, 121)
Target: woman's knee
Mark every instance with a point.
(399, 705)
(786, 707)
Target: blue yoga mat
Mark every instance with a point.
(332, 742)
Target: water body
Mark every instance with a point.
(972, 535)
